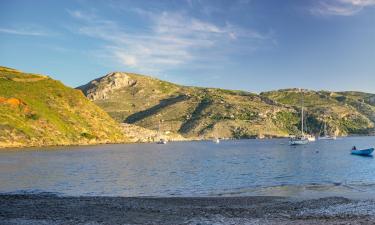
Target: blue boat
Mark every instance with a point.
(365, 152)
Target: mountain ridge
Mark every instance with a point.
(215, 112)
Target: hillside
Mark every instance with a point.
(344, 112)
(193, 112)
(36, 110)
(208, 112)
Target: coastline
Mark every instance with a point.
(9, 147)
(22, 146)
(51, 209)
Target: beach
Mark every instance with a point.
(51, 209)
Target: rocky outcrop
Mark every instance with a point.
(140, 134)
(101, 88)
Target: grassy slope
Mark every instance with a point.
(344, 112)
(198, 112)
(36, 110)
(208, 112)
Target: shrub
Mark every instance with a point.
(87, 135)
(32, 116)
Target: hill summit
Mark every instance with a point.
(101, 88)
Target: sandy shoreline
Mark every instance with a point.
(51, 209)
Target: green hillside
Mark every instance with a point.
(191, 111)
(36, 110)
(208, 112)
(344, 112)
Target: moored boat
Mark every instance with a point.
(326, 136)
(162, 141)
(364, 152)
(311, 138)
(302, 140)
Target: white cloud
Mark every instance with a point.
(23, 31)
(170, 39)
(340, 7)
(125, 59)
(359, 2)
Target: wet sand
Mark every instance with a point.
(51, 209)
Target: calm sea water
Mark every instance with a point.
(243, 167)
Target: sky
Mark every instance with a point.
(252, 45)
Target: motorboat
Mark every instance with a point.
(363, 152)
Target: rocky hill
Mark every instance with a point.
(208, 112)
(344, 112)
(193, 112)
(36, 110)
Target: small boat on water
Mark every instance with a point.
(162, 141)
(161, 138)
(364, 152)
(326, 136)
(311, 138)
(302, 140)
(216, 140)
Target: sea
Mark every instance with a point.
(193, 169)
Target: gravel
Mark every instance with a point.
(30, 209)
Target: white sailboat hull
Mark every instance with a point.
(298, 141)
(311, 139)
(305, 142)
(327, 138)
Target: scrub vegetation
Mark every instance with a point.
(36, 110)
(211, 112)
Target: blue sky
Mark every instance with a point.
(253, 45)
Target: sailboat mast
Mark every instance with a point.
(302, 128)
(302, 120)
(325, 128)
(159, 127)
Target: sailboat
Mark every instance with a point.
(326, 136)
(302, 139)
(216, 139)
(161, 140)
(311, 138)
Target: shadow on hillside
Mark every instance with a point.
(191, 123)
(155, 109)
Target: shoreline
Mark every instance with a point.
(52, 209)
(119, 143)
(8, 147)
